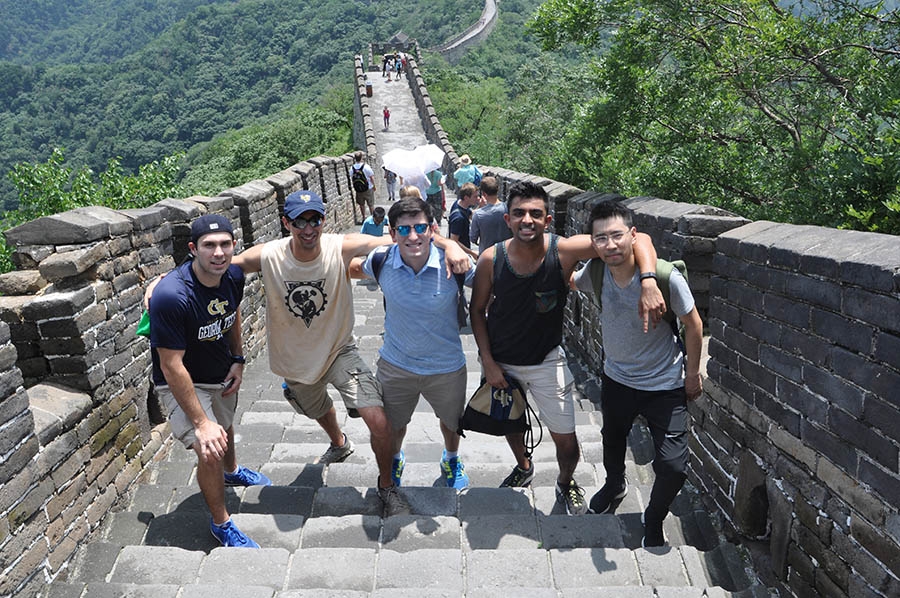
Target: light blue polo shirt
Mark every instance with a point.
(420, 329)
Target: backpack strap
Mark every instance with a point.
(663, 274)
(379, 256)
(598, 273)
(499, 258)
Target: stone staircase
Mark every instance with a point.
(322, 535)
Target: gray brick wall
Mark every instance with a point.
(803, 379)
(75, 392)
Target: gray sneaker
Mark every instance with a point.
(519, 478)
(392, 502)
(572, 496)
(336, 454)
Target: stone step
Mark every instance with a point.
(103, 569)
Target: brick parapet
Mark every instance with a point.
(75, 392)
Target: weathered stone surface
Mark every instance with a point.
(58, 404)
(81, 225)
(21, 282)
(71, 263)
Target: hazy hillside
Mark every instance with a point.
(125, 78)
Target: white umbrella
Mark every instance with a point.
(430, 156)
(415, 162)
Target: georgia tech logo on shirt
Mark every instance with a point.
(217, 328)
(306, 299)
(217, 307)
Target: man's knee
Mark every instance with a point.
(376, 420)
(673, 466)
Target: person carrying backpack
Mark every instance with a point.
(362, 178)
(645, 371)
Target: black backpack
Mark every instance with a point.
(359, 180)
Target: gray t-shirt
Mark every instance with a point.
(488, 226)
(651, 361)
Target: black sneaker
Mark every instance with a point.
(609, 497)
(653, 533)
(392, 502)
(519, 478)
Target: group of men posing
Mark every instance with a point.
(519, 292)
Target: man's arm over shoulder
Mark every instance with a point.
(356, 244)
(249, 260)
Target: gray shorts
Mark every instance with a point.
(217, 408)
(349, 375)
(446, 393)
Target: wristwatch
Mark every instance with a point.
(238, 359)
(646, 275)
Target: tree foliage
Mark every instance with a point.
(786, 111)
(52, 187)
(141, 80)
(258, 151)
(506, 102)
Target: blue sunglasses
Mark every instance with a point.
(404, 229)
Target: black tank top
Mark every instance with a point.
(525, 317)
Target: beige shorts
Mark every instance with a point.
(549, 387)
(349, 375)
(446, 393)
(217, 408)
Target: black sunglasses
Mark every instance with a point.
(300, 223)
(404, 229)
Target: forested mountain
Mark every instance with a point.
(143, 80)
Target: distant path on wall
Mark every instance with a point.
(473, 34)
(406, 130)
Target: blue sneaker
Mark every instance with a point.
(246, 477)
(228, 534)
(397, 466)
(454, 472)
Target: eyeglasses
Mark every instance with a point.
(604, 239)
(300, 223)
(404, 229)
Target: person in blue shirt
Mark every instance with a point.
(374, 224)
(198, 363)
(422, 353)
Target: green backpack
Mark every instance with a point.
(663, 273)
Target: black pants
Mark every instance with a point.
(666, 414)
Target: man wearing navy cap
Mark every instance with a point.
(309, 327)
(198, 363)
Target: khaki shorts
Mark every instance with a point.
(366, 197)
(446, 393)
(217, 408)
(549, 387)
(349, 375)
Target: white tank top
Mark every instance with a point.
(309, 308)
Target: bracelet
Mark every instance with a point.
(238, 359)
(646, 275)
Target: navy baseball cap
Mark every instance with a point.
(303, 201)
(210, 223)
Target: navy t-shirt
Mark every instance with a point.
(185, 315)
(458, 223)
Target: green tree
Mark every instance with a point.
(52, 187)
(786, 111)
